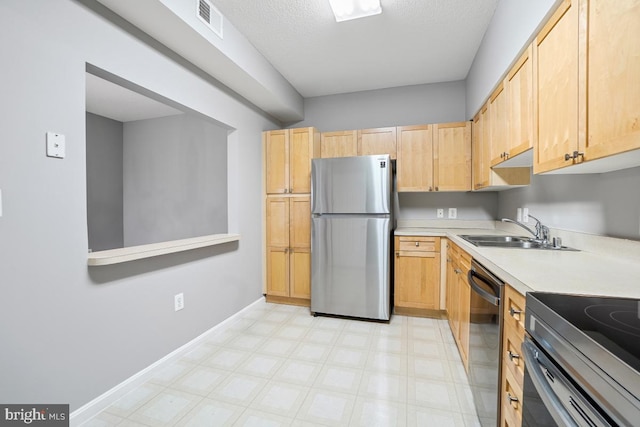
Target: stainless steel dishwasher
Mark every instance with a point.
(485, 341)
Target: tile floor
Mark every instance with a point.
(275, 365)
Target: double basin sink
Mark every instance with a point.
(517, 242)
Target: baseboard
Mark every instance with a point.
(97, 405)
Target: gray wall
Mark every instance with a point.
(175, 179)
(605, 204)
(513, 24)
(69, 332)
(104, 183)
(470, 206)
(409, 105)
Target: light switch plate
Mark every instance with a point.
(440, 213)
(55, 145)
(453, 213)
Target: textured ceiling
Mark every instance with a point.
(411, 42)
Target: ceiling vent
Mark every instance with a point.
(211, 16)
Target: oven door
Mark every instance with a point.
(550, 398)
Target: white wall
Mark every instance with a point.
(70, 332)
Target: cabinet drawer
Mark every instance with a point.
(511, 400)
(419, 244)
(514, 308)
(512, 355)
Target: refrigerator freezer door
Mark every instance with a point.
(346, 185)
(350, 266)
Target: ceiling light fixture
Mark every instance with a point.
(345, 10)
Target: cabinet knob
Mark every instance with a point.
(397, 254)
(286, 250)
(291, 250)
(437, 188)
(457, 270)
(515, 313)
(430, 188)
(513, 355)
(502, 155)
(286, 190)
(506, 155)
(417, 244)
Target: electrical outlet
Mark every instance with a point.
(525, 214)
(453, 213)
(178, 301)
(519, 214)
(440, 213)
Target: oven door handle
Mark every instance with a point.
(542, 375)
(493, 299)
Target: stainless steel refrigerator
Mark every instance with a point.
(351, 226)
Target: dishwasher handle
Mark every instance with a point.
(493, 299)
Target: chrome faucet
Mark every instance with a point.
(541, 233)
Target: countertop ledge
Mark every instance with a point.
(117, 256)
(587, 272)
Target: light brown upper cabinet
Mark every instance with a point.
(415, 158)
(452, 156)
(484, 176)
(288, 154)
(339, 144)
(519, 93)
(480, 165)
(498, 125)
(612, 77)
(377, 141)
(556, 80)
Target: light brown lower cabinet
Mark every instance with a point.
(459, 299)
(417, 275)
(512, 366)
(288, 257)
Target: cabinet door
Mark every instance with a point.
(613, 77)
(452, 286)
(415, 158)
(499, 125)
(556, 89)
(464, 318)
(277, 221)
(300, 154)
(339, 144)
(417, 283)
(300, 222)
(278, 271)
(452, 156)
(300, 273)
(520, 105)
(477, 163)
(377, 141)
(277, 161)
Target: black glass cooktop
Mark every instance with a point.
(614, 323)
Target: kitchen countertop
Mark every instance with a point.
(585, 272)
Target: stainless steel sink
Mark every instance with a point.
(517, 242)
(493, 238)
